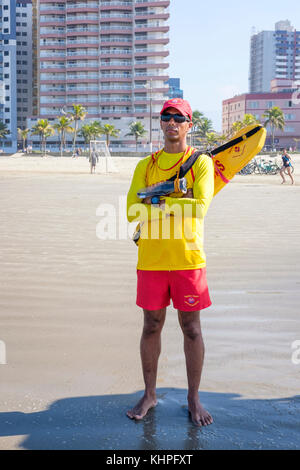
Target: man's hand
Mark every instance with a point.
(147, 200)
(189, 194)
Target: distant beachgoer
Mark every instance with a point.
(94, 158)
(287, 164)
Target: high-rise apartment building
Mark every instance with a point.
(174, 88)
(109, 56)
(8, 105)
(24, 61)
(274, 54)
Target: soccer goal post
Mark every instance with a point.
(101, 150)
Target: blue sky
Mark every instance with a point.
(210, 46)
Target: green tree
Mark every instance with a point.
(86, 132)
(198, 116)
(3, 131)
(78, 114)
(248, 119)
(274, 118)
(44, 129)
(137, 130)
(205, 126)
(109, 130)
(96, 129)
(210, 139)
(63, 127)
(23, 133)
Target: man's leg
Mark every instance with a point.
(194, 356)
(150, 348)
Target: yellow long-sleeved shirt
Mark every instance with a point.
(171, 239)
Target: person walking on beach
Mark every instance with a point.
(287, 165)
(94, 158)
(172, 267)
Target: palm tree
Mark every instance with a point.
(275, 119)
(110, 131)
(62, 127)
(95, 129)
(3, 131)
(86, 133)
(210, 139)
(78, 114)
(137, 130)
(197, 120)
(44, 129)
(205, 126)
(23, 133)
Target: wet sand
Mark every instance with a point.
(71, 327)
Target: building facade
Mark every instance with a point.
(24, 61)
(174, 88)
(284, 95)
(8, 99)
(274, 54)
(109, 56)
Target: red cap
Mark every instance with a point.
(181, 105)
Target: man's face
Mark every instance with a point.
(175, 131)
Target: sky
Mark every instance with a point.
(210, 46)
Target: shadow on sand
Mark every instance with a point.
(100, 422)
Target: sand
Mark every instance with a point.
(71, 327)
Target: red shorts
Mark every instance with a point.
(187, 289)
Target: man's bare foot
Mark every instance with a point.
(283, 182)
(199, 416)
(142, 408)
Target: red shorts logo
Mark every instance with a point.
(191, 300)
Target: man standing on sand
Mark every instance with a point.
(172, 266)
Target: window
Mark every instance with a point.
(7, 121)
(6, 110)
(6, 52)
(6, 87)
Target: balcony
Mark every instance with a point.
(81, 41)
(105, 16)
(81, 18)
(115, 52)
(115, 40)
(79, 76)
(108, 6)
(81, 6)
(83, 52)
(45, 7)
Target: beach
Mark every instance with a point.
(71, 328)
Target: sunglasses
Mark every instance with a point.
(177, 118)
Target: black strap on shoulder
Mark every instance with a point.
(187, 165)
(236, 141)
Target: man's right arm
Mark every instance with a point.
(136, 210)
